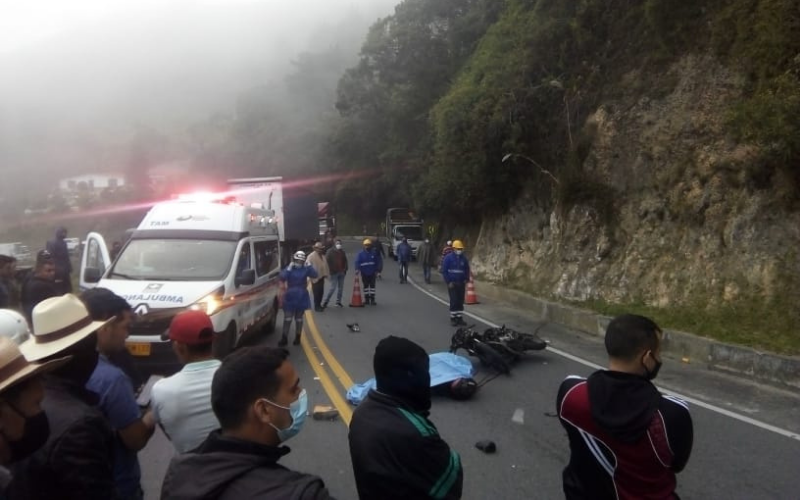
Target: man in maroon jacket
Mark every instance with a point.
(627, 440)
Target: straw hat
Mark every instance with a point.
(58, 323)
(14, 368)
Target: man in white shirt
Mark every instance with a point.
(182, 402)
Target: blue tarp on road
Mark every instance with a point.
(445, 367)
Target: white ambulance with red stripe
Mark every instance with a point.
(206, 252)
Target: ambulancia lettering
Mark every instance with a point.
(175, 299)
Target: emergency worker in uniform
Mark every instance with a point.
(369, 265)
(455, 271)
(295, 298)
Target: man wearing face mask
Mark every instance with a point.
(257, 397)
(627, 440)
(397, 452)
(77, 460)
(295, 298)
(337, 264)
(426, 257)
(23, 424)
(455, 271)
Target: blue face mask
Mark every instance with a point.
(298, 410)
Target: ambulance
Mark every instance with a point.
(203, 252)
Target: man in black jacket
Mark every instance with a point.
(76, 461)
(397, 452)
(41, 285)
(626, 439)
(257, 398)
(58, 249)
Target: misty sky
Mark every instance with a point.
(86, 71)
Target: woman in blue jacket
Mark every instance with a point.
(295, 297)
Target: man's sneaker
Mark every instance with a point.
(453, 322)
(460, 321)
(339, 304)
(325, 304)
(296, 340)
(283, 341)
(319, 309)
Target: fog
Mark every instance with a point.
(78, 77)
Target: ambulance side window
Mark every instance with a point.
(266, 257)
(245, 259)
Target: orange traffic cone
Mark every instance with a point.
(472, 297)
(356, 300)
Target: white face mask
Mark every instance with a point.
(459, 252)
(338, 246)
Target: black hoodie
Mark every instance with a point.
(226, 468)
(627, 440)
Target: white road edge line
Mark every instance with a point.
(697, 402)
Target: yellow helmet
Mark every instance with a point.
(457, 245)
(367, 242)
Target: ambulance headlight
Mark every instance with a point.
(211, 303)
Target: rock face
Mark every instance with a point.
(687, 222)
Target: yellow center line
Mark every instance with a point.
(334, 364)
(327, 383)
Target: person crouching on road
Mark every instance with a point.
(337, 264)
(369, 265)
(257, 397)
(397, 452)
(316, 259)
(295, 298)
(626, 439)
(404, 254)
(455, 270)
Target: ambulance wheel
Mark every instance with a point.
(225, 342)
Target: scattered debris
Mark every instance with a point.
(685, 360)
(316, 378)
(486, 446)
(519, 416)
(325, 413)
(550, 414)
(354, 327)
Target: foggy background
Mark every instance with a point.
(82, 82)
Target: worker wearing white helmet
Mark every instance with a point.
(295, 298)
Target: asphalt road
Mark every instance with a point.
(747, 437)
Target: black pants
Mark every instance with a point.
(456, 291)
(318, 288)
(369, 287)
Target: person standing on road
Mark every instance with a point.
(337, 264)
(40, 286)
(626, 439)
(77, 460)
(117, 401)
(61, 258)
(317, 260)
(257, 397)
(455, 271)
(182, 403)
(369, 265)
(295, 297)
(397, 452)
(23, 422)
(404, 254)
(6, 277)
(427, 258)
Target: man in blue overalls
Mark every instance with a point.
(369, 265)
(455, 271)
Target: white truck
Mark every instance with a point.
(295, 208)
(217, 255)
(403, 223)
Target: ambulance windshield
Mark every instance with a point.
(175, 260)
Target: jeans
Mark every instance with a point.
(403, 272)
(318, 288)
(337, 283)
(426, 272)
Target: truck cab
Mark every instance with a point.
(403, 223)
(215, 255)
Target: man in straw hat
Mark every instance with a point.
(23, 424)
(77, 460)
